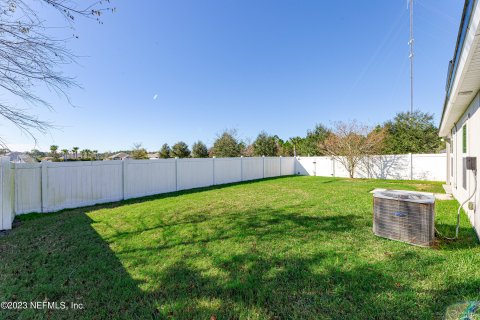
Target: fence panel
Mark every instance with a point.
(81, 183)
(148, 177)
(306, 166)
(28, 188)
(395, 167)
(228, 170)
(67, 185)
(252, 168)
(429, 167)
(324, 167)
(272, 167)
(399, 167)
(107, 181)
(287, 166)
(194, 173)
(7, 213)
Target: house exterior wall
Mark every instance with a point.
(461, 180)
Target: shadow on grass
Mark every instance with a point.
(63, 259)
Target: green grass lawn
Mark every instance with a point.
(293, 247)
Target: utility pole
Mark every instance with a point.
(411, 56)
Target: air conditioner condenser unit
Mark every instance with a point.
(404, 216)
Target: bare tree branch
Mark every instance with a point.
(350, 143)
(31, 57)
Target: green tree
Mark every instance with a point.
(86, 154)
(313, 139)
(285, 148)
(54, 153)
(139, 153)
(75, 151)
(350, 143)
(265, 145)
(37, 154)
(297, 145)
(165, 152)
(227, 145)
(199, 150)
(411, 133)
(180, 150)
(65, 154)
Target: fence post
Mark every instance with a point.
(176, 173)
(6, 194)
(280, 166)
(333, 166)
(44, 177)
(124, 177)
(241, 168)
(411, 165)
(263, 157)
(213, 171)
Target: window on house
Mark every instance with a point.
(464, 138)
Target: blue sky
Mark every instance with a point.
(164, 71)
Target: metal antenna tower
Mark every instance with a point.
(410, 4)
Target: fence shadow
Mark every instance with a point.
(63, 259)
(384, 167)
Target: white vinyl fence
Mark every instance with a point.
(431, 167)
(53, 186)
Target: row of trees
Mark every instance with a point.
(227, 144)
(406, 133)
(348, 141)
(73, 154)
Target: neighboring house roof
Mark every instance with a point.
(463, 78)
(119, 156)
(153, 155)
(20, 157)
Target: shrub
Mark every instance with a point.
(199, 150)
(180, 150)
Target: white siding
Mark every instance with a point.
(462, 189)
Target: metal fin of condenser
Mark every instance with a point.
(404, 216)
